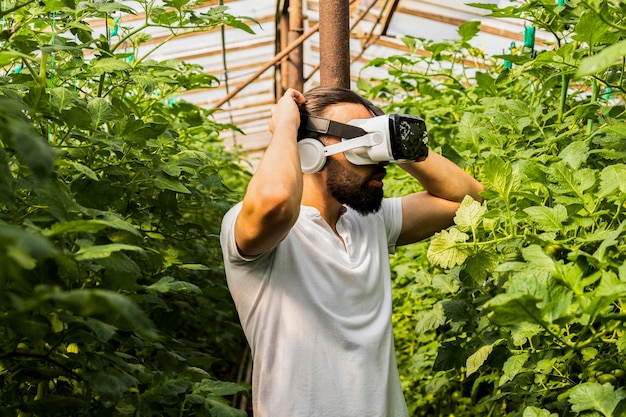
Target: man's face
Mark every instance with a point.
(361, 191)
(360, 187)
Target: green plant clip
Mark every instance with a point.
(529, 37)
(116, 26)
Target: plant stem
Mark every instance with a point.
(564, 86)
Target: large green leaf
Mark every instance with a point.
(93, 225)
(513, 366)
(549, 219)
(32, 148)
(445, 251)
(169, 284)
(469, 214)
(430, 319)
(100, 111)
(478, 358)
(109, 65)
(603, 60)
(103, 251)
(596, 397)
(612, 179)
(507, 310)
(498, 177)
(107, 305)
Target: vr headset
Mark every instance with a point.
(382, 138)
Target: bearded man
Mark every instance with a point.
(307, 264)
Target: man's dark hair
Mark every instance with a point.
(320, 98)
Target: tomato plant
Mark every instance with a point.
(518, 309)
(112, 295)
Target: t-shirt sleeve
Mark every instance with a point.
(227, 238)
(391, 211)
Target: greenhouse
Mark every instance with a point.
(129, 129)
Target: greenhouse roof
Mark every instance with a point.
(242, 61)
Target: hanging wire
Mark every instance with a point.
(226, 86)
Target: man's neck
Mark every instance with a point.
(316, 195)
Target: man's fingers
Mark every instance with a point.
(295, 95)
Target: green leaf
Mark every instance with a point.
(217, 407)
(444, 250)
(468, 30)
(537, 259)
(480, 264)
(61, 98)
(446, 283)
(106, 304)
(456, 310)
(557, 303)
(513, 366)
(100, 111)
(111, 384)
(538, 412)
(33, 244)
(80, 168)
(590, 28)
(507, 310)
(593, 396)
(469, 214)
(167, 184)
(610, 238)
(478, 358)
(103, 251)
(177, 4)
(430, 319)
(575, 154)
(170, 285)
(498, 177)
(90, 226)
(565, 181)
(470, 128)
(486, 82)
(103, 331)
(549, 219)
(221, 388)
(613, 178)
(194, 267)
(9, 56)
(7, 182)
(238, 24)
(603, 60)
(107, 65)
(109, 7)
(33, 149)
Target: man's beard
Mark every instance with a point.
(350, 189)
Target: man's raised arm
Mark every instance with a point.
(425, 213)
(272, 202)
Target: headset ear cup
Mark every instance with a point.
(312, 157)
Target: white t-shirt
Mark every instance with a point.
(317, 316)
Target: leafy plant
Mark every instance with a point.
(518, 309)
(112, 293)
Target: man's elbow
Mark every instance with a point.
(272, 207)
